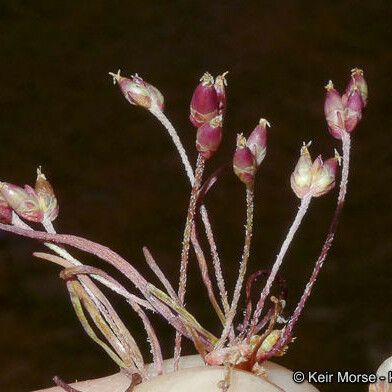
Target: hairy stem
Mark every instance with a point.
(158, 272)
(205, 276)
(155, 346)
(243, 265)
(185, 247)
(215, 259)
(287, 334)
(203, 210)
(105, 254)
(305, 201)
(77, 297)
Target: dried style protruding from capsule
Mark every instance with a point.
(301, 178)
(334, 111)
(5, 211)
(357, 81)
(244, 163)
(257, 141)
(324, 174)
(220, 84)
(344, 112)
(209, 136)
(46, 197)
(313, 178)
(23, 201)
(354, 108)
(138, 92)
(204, 103)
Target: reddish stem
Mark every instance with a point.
(285, 339)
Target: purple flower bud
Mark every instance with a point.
(5, 211)
(301, 178)
(323, 175)
(354, 108)
(209, 136)
(334, 111)
(220, 84)
(257, 141)
(244, 163)
(204, 103)
(46, 197)
(23, 201)
(357, 81)
(138, 92)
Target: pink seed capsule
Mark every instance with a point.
(358, 81)
(334, 111)
(204, 103)
(138, 92)
(257, 141)
(354, 108)
(301, 178)
(23, 201)
(219, 85)
(244, 163)
(5, 211)
(209, 136)
(324, 174)
(46, 197)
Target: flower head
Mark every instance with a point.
(257, 141)
(219, 85)
(315, 178)
(209, 136)
(204, 103)
(244, 162)
(24, 201)
(138, 92)
(46, 197)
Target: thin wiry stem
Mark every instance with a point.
(130, 349)
(105, 307)
(102, 277)
(203, 210)
(284, 340)
(305, 201)
(243, 265)
(186, 246)
(155, 346)
(105, 254)
(78, 297)
(161, 117)
(158, 272)
(205, 276)
(187, 318)
(215, 259)
(287, 333)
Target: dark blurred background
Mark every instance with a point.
(120, 182)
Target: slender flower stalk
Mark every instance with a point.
(72, 272)
(305, 201)
(203, 210)
(158, 272)
(215, 260)
(110, 257)
(155, 108)
(186, 246)
(346, 142)
(78, 298)
(243, 265)
(96, 274)
(248, 349)
(205, 275)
